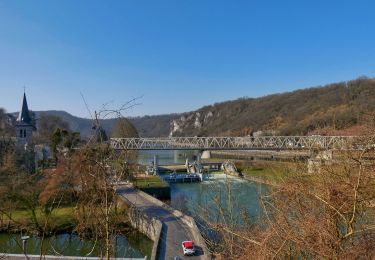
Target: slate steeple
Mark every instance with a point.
(24, 115)
(24, 124)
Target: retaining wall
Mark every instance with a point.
(147, 225)
(187, 220)
(162, 193)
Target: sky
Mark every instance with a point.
(176, 55)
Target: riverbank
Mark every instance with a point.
(252, 155)
(58, 230)
(60, 220)
(268, 172)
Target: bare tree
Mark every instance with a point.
(100, 169)
(326, 214)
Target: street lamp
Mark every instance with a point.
(24, 244)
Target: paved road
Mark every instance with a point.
(173, 232)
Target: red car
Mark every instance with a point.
(188, 247)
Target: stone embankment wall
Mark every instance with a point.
(162, 193)
(147, 225)
(187, 220)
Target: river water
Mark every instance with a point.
(222, 198)
(135, 245)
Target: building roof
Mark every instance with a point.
(24, 115)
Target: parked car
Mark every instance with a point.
(188, 247)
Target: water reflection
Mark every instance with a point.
(135, 245)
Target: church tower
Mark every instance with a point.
(24, 124)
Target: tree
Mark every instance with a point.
(86, 178)
(327, 214)
(100, 169)
(124, 129)
(47, 125)
(63, 139)
(100, 135)
(6, 124)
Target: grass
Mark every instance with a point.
(60, 218)
(66, 212)
(150, 182)
(263, 173)
(268, 171)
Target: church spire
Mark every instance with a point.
(24, 115)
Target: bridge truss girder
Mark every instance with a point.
(236, 143)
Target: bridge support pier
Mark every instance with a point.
(156, 165)
(206, 154)
(319, 159)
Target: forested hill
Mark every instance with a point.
(147, 126)
(340, 108)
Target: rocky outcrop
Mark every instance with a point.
(190, 123)
(320, 110)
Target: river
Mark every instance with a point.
(222, 198)
(135, 245)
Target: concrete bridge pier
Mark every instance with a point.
(319, 159)
(206, 154)
(156, 165)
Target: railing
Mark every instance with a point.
(237, 143)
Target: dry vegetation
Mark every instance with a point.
(325, 215)
(339, 108)
(78, 195)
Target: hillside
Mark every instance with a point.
(340, 108)
(147, 126)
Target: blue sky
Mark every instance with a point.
(178, 54)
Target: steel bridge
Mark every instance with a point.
(238, 143)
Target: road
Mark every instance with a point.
(174, 230)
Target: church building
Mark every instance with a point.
(24, 124)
